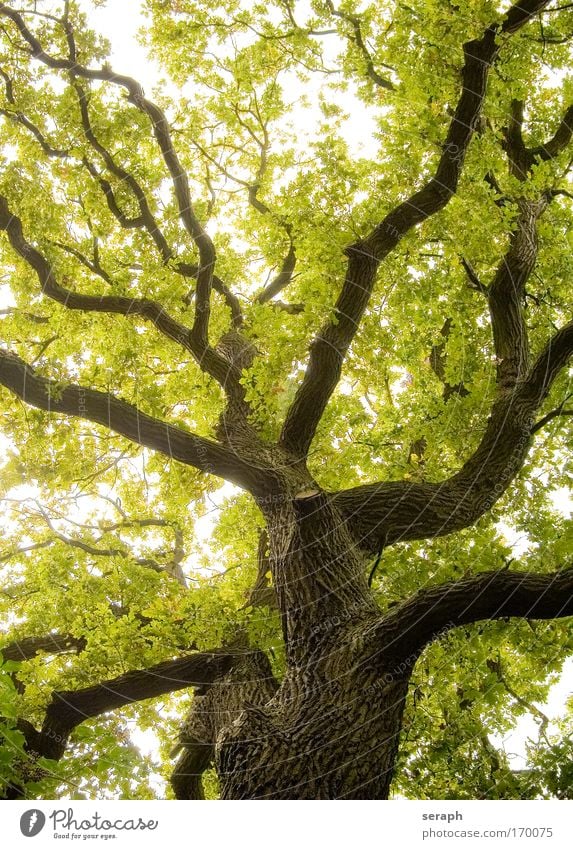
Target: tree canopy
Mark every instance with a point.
(332, 244)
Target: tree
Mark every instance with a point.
(381, 425)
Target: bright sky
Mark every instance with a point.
(119, 21)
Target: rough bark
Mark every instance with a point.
(331, 729)
(248, 685)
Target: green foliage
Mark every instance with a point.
(256, 97)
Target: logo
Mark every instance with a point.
(32, 822)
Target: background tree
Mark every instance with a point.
(216, 281)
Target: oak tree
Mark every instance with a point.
(324, 258)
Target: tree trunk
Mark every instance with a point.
(331, 730)
(318, 738)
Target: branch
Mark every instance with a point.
(105, 409)
(17, 551)
(150, 310)
(262, 594)
(289, 309)
(190, 270)
(29, 647)
(497, 667)
(30, 316)
(559, 141)
(173, 568)
(438, 365)
(354, 21)
(92, 265)
(68, 709)
(20, 118)
(162, 135)
(553, 414)
(522, 158)
(329, 348)
(491, 181)
(474, 280)
(174, 557)
(487, 596)
(284, 276)
(145, 219)
(146, 216)
(381, 514)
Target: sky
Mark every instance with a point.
(119, 20)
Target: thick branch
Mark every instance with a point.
(489, 595)
(147, 309)
(68, 709)
(550, 363)
(29, 647)
(514, 145)
(162, 133)
(522, 158)
(506, 296)
(123, 418)
(191, 764)
(329, 348)
(381, 514)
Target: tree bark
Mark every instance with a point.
(325, 735)
(331, 729)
